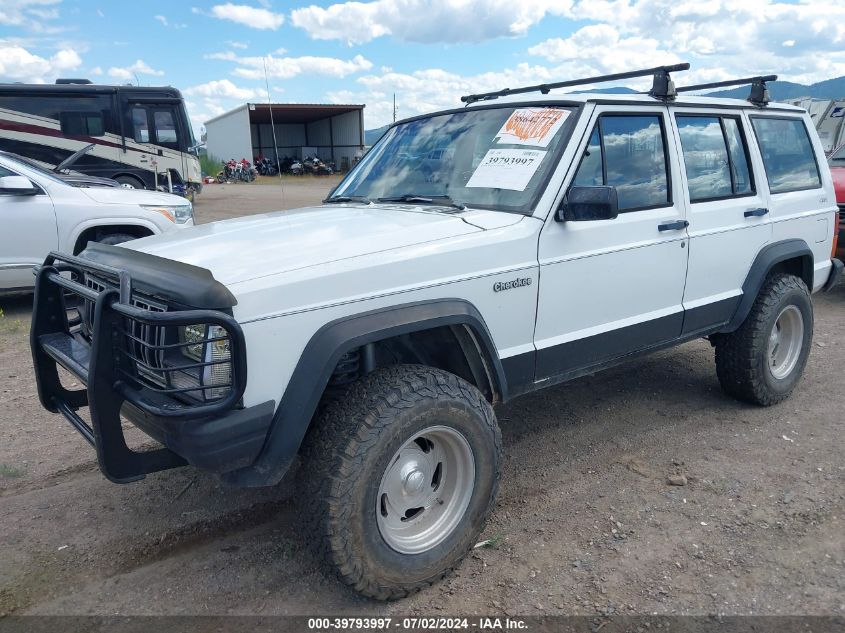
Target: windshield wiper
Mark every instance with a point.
(335, 199)
(424, 200)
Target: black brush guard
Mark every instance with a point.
(107, 366)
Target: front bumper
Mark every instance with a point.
(218, 435)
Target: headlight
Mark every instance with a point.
(209, 345)
(179, 213)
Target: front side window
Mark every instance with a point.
(628, 153)
(165, 128)
(491, 157)
(787, 154)
(715, 157)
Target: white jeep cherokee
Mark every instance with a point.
(472, 256)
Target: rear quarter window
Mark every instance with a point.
(787, 154)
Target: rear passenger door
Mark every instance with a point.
(729, 215)
(612, 287)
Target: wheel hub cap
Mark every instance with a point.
(425, 490)
(785, 342)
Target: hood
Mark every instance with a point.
(122, 195)
(838, 174)
(256, 246)
(81, 180)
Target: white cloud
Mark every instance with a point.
(127, 73)
(32, 15)
(246, 15)
(96, 71)
(431, 89)
(240, 45)
(18, 64)
(167, 23)
(225, 89)
(288, 67)
(20, 12)
(425, 20)
(600, 47)
(725, 39)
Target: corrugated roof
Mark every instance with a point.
(291, 112)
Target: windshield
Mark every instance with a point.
(838, 156)
(30, 164)
(497, 158)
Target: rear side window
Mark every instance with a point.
(628, 152)
(787, 154)
(715, 157)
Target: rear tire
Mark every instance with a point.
(763, 360)
(375, 451)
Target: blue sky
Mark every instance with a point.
(427, 52)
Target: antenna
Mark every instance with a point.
(663, 87)
(273, 127)
(759, 91)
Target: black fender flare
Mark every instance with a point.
(768, 258)
(319, 358)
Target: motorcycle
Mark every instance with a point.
(265, 166)
(227, 174)
(313, 165)
(296, 168)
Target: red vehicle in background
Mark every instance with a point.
(837, 169)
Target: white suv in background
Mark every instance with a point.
(40, 212)
(473, 255)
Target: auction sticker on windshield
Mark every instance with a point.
(532, 126)
(507, 169)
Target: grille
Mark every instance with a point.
(160, 358)
(143, 342)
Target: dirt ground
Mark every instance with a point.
(586, 522)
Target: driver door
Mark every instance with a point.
(29, 233)
(612, 287)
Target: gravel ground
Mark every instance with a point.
(586, 523)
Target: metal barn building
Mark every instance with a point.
(332, 132)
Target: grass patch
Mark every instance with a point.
(210, 165)
(491, 543)
(10, 472)
(9, 325)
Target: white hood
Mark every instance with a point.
(255, 246)
(124, 195)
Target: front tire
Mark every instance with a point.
(114, 239)
(401, 474)
(764, 359)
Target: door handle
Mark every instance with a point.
(677, 225)
(756, 213)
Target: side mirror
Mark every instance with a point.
(588, 203)
(17, 186)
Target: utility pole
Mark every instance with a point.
(394, 107)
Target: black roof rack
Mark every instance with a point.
(662, 88)
(759, 92)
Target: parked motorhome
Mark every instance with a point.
(141, 135)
